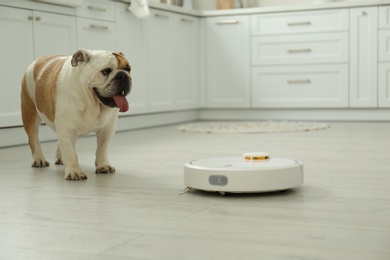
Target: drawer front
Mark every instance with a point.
(97, 9)
(300, 49)
(300, 22)
(384, 17)
(319, 86)
(384, 45)
(95, 34)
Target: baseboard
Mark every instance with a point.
(296, 114)
(14, 136)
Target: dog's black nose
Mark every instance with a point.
(121, 75)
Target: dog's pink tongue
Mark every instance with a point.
(121, 102)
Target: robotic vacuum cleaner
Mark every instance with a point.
(253, 172)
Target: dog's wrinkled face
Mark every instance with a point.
(107, 75)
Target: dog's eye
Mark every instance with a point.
(106, 72)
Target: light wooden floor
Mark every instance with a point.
(341, 212)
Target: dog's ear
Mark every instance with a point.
(118, 53)
(81, 55)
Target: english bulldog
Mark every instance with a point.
(75, 95)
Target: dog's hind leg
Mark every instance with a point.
(31, 123)
(58, 155)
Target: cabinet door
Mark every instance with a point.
(384, 45)
(130, 41)
(227, 62)
(384, 85)
(16, 53)
(384, 17)
(185, 62)
(363, 57)
(54, 34)
(95, 34)
(159, 61)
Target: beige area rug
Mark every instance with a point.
(236, 127)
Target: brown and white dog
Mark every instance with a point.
(75, 95)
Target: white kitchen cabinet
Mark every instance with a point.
(185, 66)
(384, 85)
(131, 42)
(364, 57)
(27, 35)
(303, 86)
(172, 61)
(384, 57)
(16, 54)
(228, 62)
(159, 40)
(300, 60)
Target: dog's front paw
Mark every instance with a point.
(105, 169)
(40, 163)
(74, 175)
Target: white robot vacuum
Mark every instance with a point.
(251, 173)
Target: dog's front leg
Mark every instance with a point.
(67, 145)
(104, 137)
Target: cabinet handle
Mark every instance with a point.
(299, 23)
(100, 27)
(228, 21)
(31, 18)
(97, 8)
(184, 20)
(161, 16)
(299, 81)
(299, 50)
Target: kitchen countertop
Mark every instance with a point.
(269, 9)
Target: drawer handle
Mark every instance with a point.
(228, 21)
(161, 16)
(31, 18)
(184, 20)
(299, 23)
(99, 27)
(97, 8)
(299, 50)
(299, 81)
